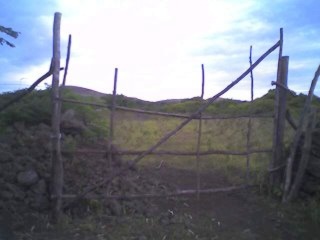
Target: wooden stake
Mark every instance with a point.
(113, 107)
(272, 164)
(301, 125)
(159, 195)
(279, 122)
(199, 136)
(176, 153)
(305, 156)
(29, 90)
(249, 122)
(57, 167)
(67, 61)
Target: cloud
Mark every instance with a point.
(153, 44)
(25, 63)
(159, 46)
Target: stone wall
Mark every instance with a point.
(25, 167)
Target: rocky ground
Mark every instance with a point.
(241, 214)
(25, 203)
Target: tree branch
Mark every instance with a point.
(29, 90)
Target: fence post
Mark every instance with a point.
(249, 121)
(278, 159)
(57, 167)
(298, 134)
(199, 135)
(113, 106)
(67, 61)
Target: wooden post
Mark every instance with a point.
(57, 165)
(249, 123)
(273, 161)
(279, 124)
(199, 136)
(298, 134)
(113, 107)
(305, 156)
(67, 61)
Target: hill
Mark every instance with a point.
(85, 92)
(168, 105)
(35, 108)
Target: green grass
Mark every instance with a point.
(135, 131)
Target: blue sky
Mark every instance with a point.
(159, 45)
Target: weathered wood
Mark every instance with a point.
(306, 150)
(279, 124)
(57, 167)
(293, 93)
(173, 132)
(194, 116)
(249, 121)
(272, 164)
(174, 153)
(276, 168)
(199, 135)
(67, 61)
(298, 134)
(30, 89)
(155, 195)
(112, 112)
(290, 120)
(163, 113)
(202, 82)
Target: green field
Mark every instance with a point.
(136, 131)
(238, 213)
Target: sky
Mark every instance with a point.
(158, 46)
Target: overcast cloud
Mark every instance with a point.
(159, 45)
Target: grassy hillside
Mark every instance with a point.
(25, 139)
(135, 131)
(263, 105)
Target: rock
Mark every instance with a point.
(40, 187)
(6, 195)
(9, 176)
(70, 124)
(39, 202)
(16, 191)
(6, 232)
(5, 156)
(27, 178)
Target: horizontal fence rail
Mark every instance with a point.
(174, 153)
(126, 109)
(155, 195)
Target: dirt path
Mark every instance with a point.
(224, 216)
(234, 215)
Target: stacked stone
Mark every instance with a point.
(25, 167)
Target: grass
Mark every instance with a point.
(166, 225)
(138, 132)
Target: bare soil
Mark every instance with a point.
(241, 214)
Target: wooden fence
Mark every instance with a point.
(280, 169)
(276, 163)
(57, 170)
